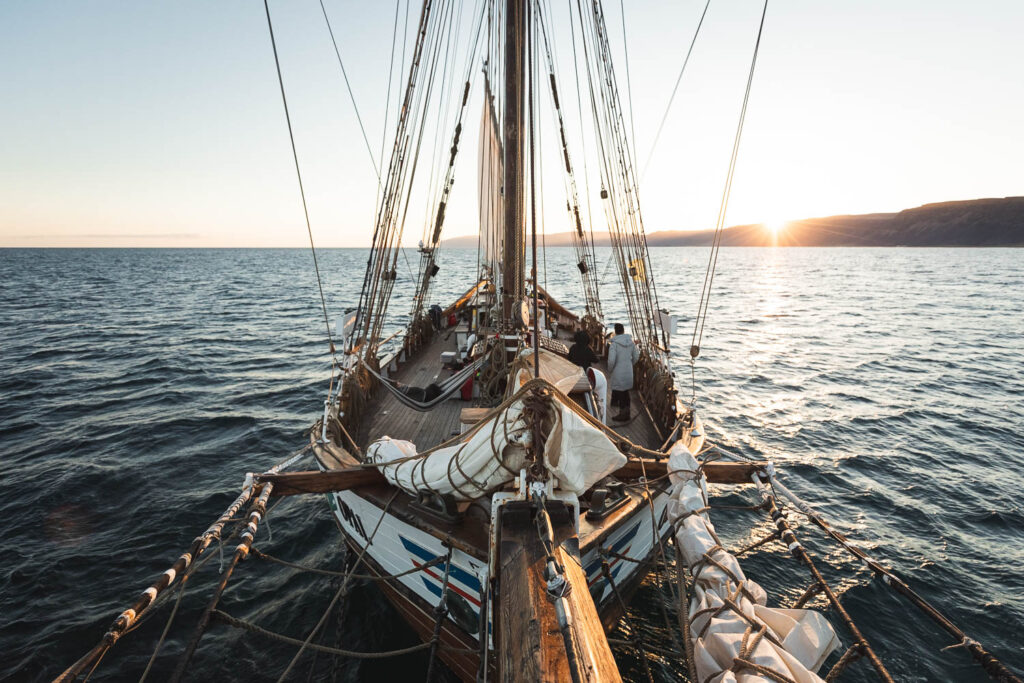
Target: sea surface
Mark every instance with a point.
(137, 387)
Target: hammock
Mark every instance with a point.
(448, 387)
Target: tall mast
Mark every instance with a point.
(513, 285)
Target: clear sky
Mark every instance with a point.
(160, 123)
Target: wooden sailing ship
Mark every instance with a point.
(477, 473)
(505, 328)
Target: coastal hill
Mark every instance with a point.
(970, 223)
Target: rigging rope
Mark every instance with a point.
(440, 198)
(619, 188)
(679, 79)
(298, 173)
(629, 81)
(348, 86)
(584, 248)
(446, 388)
(341, 591)
(531, 48)
(709, 275)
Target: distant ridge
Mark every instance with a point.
(997, 222)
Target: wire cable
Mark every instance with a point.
(298, 173)
(679, 79)
(351, 96)
(709, 275)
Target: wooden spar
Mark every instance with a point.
(256, 513)
(464, 299)
(992, 666)
(297, 483)
(797, 550)
(294, 483)
(716, 472)
(554, 306)
(513, 286)
(530, 645)
(131, 615)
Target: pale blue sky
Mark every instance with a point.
(160, 123)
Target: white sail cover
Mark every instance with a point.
(490, 179)
(795, 642)
(576, 453)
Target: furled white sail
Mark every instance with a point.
(576, 453)
(729, 620)
(490, 183)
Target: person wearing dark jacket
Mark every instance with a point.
(580, 352)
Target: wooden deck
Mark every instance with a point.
(427, 429)
(390, 418)
(640, 430)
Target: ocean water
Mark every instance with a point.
(138, 386)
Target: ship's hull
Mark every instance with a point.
(397, 547)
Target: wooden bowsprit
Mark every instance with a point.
(532, 644)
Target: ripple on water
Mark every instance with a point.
(136, 393)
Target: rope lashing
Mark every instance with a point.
(852, 654)
(808, 595)
(256, 513)
(683, 610)
(989, 662)
(747, 646)
(800, 554)
(182, 567)
(163, 634)
(624, 444)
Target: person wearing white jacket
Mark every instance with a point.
(622, 355)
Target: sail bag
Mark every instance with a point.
(728, 610)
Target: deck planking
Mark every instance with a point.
(639, 430)
(391, 418)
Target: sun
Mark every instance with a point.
(774, 227)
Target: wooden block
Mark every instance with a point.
(582, 385)
(470, 416)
